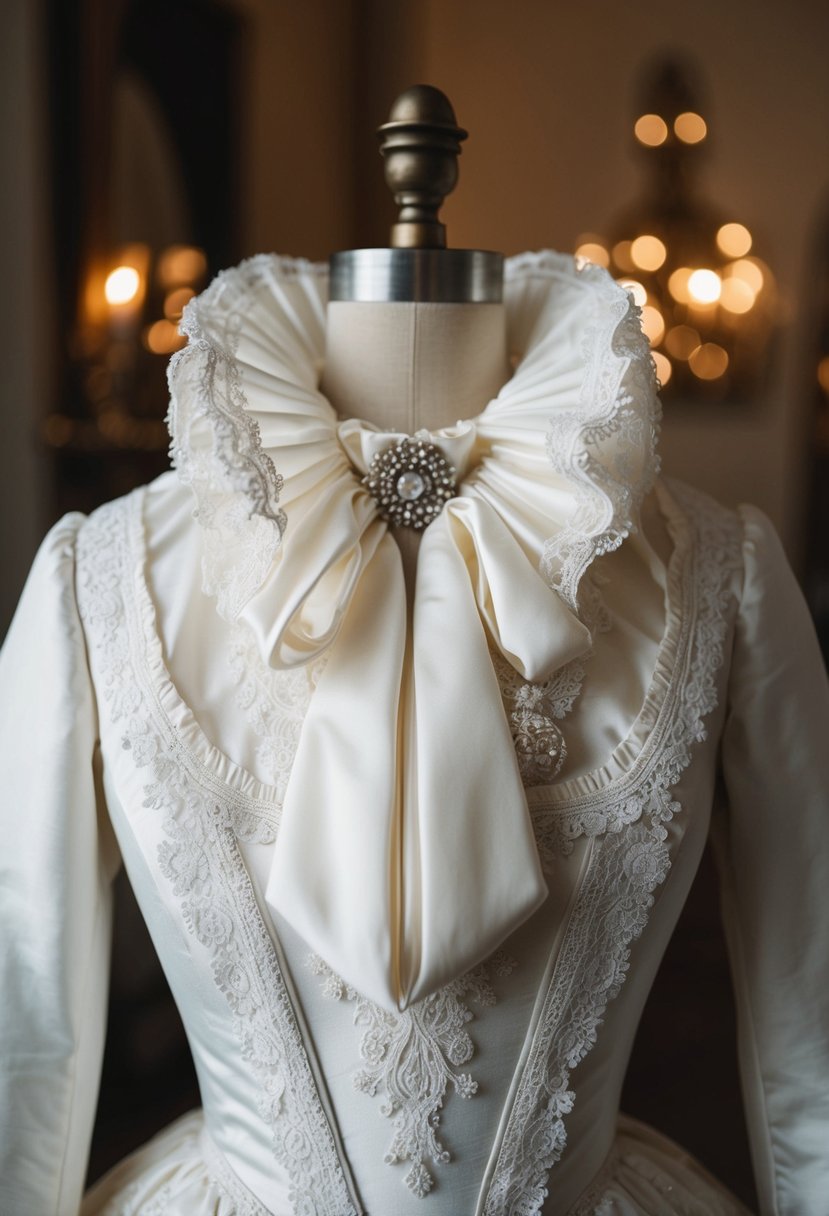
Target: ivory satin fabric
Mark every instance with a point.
(139, 724)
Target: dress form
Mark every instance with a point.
(406, 366)
(416, 335)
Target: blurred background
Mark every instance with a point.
(146, 144)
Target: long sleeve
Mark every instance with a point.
(773, 850)
(57, 858)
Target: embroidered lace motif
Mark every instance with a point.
(414, 1057)
(623, 871)
(203, 820)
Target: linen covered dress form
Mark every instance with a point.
(410, 874)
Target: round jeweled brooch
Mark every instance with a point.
(410, 483)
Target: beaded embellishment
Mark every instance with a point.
(410, 483)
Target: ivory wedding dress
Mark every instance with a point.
(410, 886)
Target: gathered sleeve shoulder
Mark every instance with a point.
(773, 851)
(57, 859)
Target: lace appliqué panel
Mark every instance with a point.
(629, 860)
(203, 820)
(413, 1058)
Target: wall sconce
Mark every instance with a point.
(127, 327)
(708, 301)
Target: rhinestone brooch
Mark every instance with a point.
(410, 483)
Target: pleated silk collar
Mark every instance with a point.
(405, 853)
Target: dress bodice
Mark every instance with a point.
(467, 1096)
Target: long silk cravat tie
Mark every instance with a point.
(405, 783)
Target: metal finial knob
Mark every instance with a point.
(420, 144)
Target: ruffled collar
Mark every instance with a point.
(405, 853)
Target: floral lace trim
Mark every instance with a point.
(415, 1056)
(624, 870)
(203, 821)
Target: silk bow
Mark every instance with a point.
(405, 787)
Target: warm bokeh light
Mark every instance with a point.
(640, 296)
(749, 270)
(823, 374)
(621, 255)
(175, 302)
(122, 285)
(704, 287)
(653, 325)
(678, 284)
(591, 250)
(708, 361)
(648, 252)
(737, 296)
(690, 127)
(180, 265)
(663, 367)
(734, 240)
(162, 338)
(651, 130)
(682, 341)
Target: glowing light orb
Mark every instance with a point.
(648, 252)
(691, 128)
(651, 130)
(122, 285)
(734, 240)
(704, 286)
(709, 361)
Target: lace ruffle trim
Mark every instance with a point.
(606, 448)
